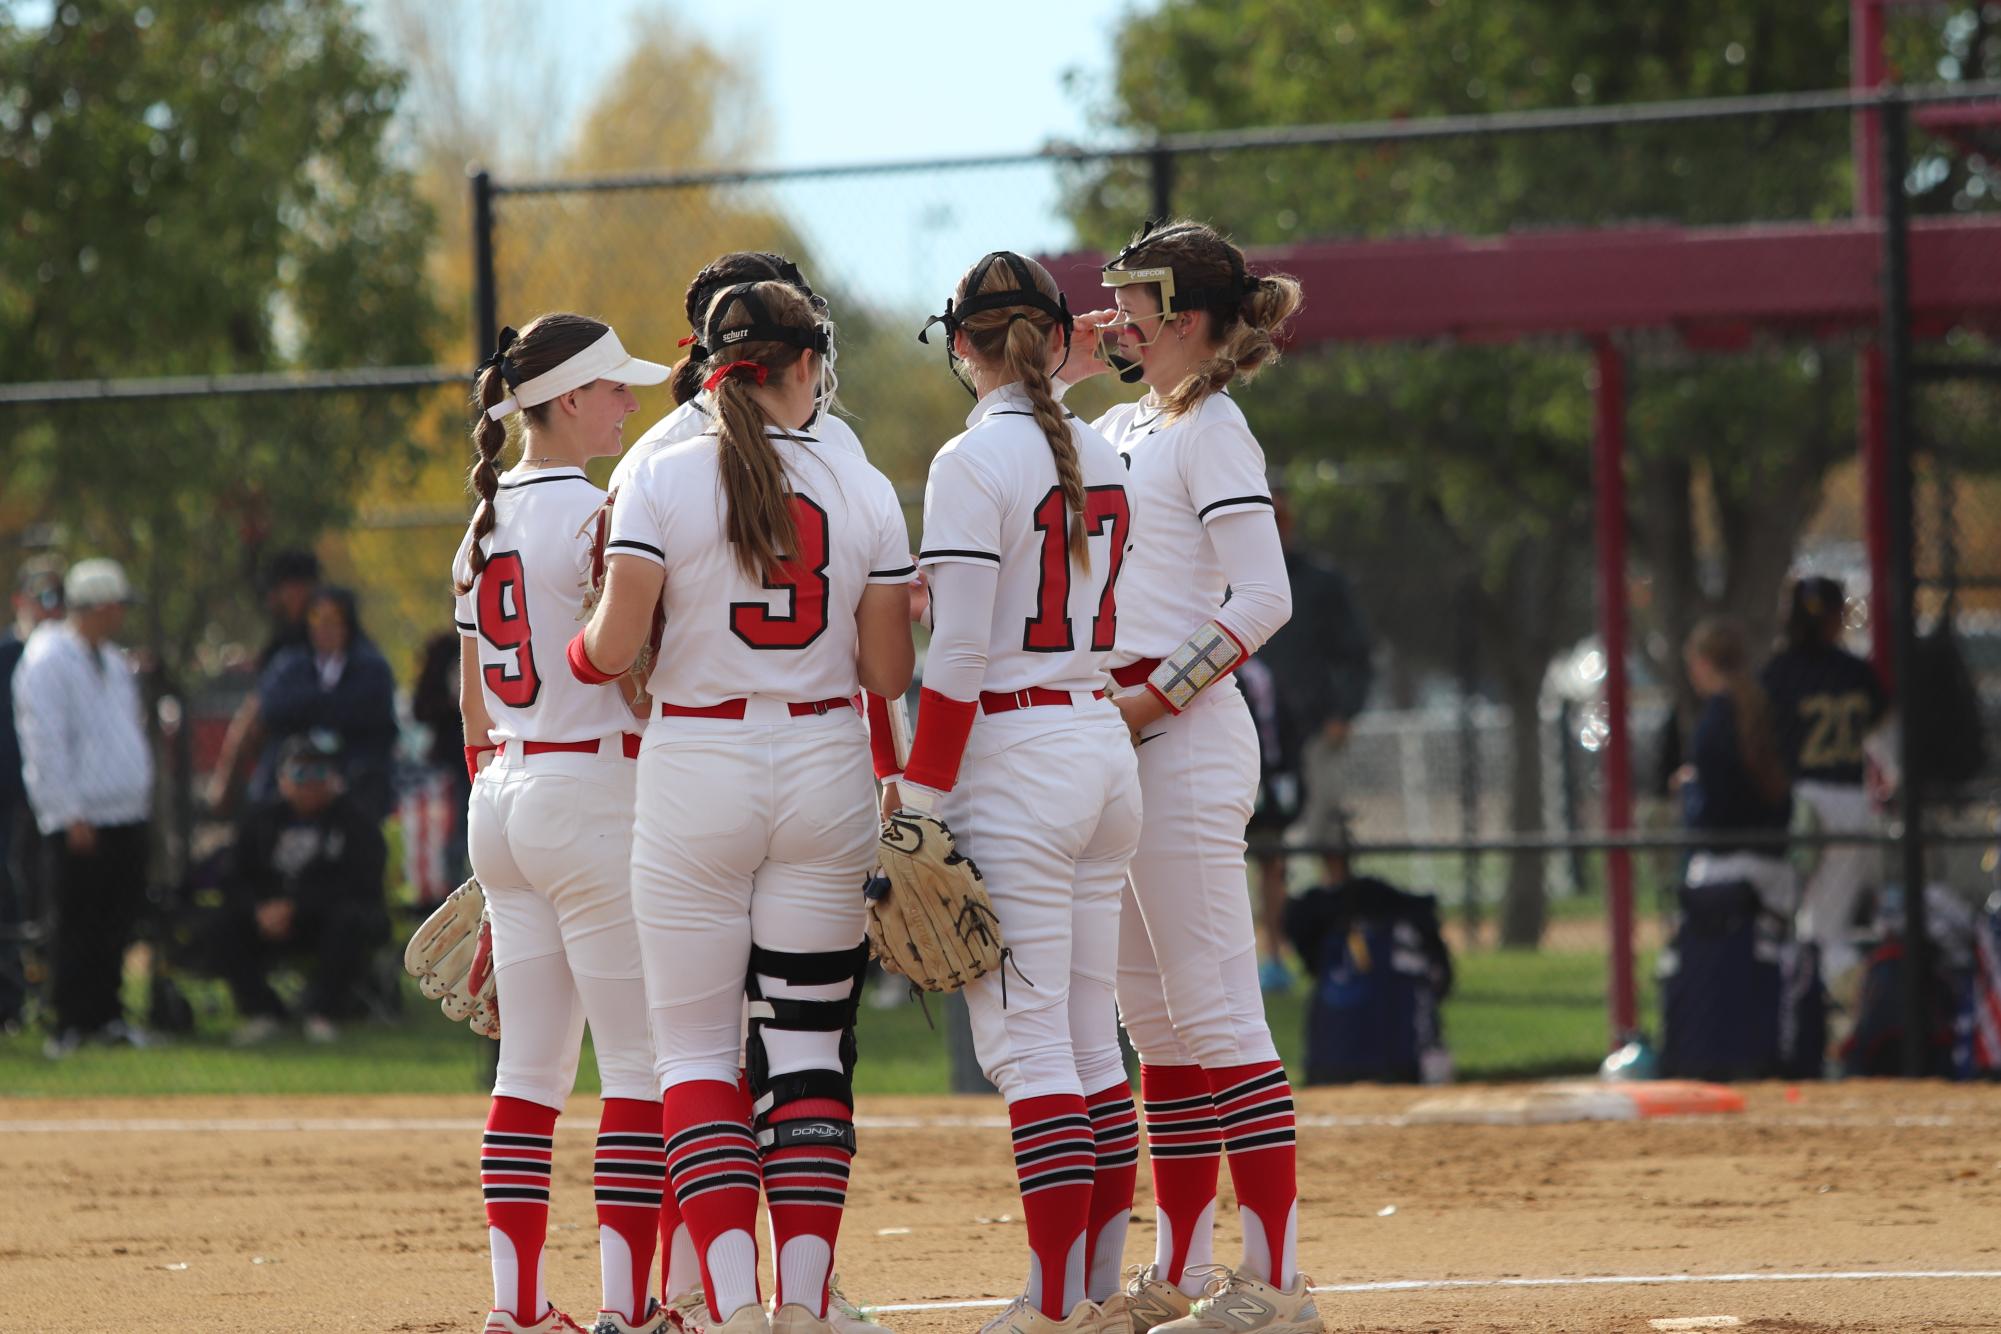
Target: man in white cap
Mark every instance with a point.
(89, 775)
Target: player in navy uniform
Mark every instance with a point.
(1825, 701)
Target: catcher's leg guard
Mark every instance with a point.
(801, 1059)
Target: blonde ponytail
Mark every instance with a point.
(759, 524)
(1023, 356)
(1247, 341)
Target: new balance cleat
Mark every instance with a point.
(1239, 1304)
(1151, 1300)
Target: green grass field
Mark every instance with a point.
(1513, 1015)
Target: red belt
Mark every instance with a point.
(631, 744)
(1135, 673)
(734, 708)
(1035, 697)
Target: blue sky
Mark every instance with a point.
(877, 80)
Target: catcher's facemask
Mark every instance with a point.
(1173, 300)
(1025, 293)
(762, 327)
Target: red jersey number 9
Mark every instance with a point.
(1049, 631)
(503, 623)
(803, 576)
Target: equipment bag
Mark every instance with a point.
(1738, 999)
(1380, 971)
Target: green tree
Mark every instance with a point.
(198, 189)
(1478, 456)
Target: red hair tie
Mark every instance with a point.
(757, 372)
(685, 341)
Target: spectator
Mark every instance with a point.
(89, 774)
(304, 883)
(1825, 702)
(290, 578)
(1736, 782)
(1320, 664)
(434, 702)
(38, 597)
(337, 682)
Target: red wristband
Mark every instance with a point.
(943, 724)
(472, 759)
(581, 666)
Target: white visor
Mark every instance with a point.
(605, 359)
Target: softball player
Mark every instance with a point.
(1026, 526)
(780, 566)
(1204, 587)
(691, 414)
(681, 1276)
(550, 821)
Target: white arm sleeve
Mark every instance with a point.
(1253, 561)
(962, 608)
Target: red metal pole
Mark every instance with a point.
(1608, 459)
(1868, 66)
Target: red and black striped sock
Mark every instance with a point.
(1115, 1132)
(1185, 1147)
(1254, 1109)
(806, 1186)
(631, 1171)
(514, 1156)
(1054, 1157)
(680, 1267)
(712, 1168)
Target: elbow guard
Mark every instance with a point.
(1204, 658)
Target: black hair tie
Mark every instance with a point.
(500, 359)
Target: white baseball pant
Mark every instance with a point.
(1048, 806)
(550, 838)
(1188, 970)
(747, 831)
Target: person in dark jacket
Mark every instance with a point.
(338, 682)
(1320, 665)
(434, 702)
(289, 578)
(1825, 702)
(1735, 782)
(304, 882)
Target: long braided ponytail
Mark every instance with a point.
(547, 342)
(1017, 339)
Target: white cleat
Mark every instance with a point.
(655, 1321)
(1021, 1318)
(689, 1311)
(1239, 1304)
(1151, 1300)
(792, 1318)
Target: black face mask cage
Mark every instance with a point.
(1025, 293)
(761, 329)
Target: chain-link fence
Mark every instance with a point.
(1471, 283)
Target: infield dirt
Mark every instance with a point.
(282, 1214)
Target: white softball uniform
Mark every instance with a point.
(1042, 787)
(692, 419)
(550, 820)
(1207, 550)
(757, 820)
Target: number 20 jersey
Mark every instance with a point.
(993, 500)
(527, 604)
(790, 636)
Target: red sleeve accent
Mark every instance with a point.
(881, 741)
(581, 666)
(943, 724)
